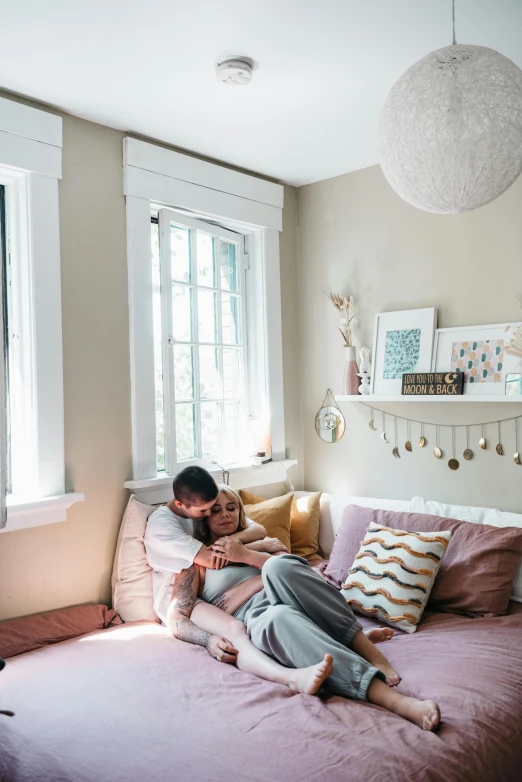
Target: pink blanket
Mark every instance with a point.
(130, 704)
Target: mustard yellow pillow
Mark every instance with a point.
(274, 514)
(304, 522)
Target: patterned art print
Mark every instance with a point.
(480, 360)
(401, 352)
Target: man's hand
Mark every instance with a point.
(229, 548)
(269, 546)
(221, 649)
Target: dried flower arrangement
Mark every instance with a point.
(344, 305)
(514, 346)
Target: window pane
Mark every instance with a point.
(209, 377)
(230, 319)
(179, 254)
(207, 316)
(184, 372)
(228, 266)
(231, 430)
(231, 373)
(206, 261)
(182, 313)
(158, 345)
(210, 428)
(185, 432)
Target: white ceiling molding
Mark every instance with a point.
(170, 178)
(30, 139)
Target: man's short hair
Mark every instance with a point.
(194, 485)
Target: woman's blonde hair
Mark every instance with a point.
(201, 527)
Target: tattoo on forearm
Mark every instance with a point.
(187, 631)
(184, 596)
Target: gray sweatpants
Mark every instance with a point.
(298, 618)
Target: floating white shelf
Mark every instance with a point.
(370, 399)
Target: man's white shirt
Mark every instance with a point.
(170, 548)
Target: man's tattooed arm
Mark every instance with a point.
(184, 596)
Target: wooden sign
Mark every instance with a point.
(433, 384)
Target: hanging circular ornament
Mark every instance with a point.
(437, 452)
(407, 444)
(468, 453)
(499, 449)
(517, 459)
(483, 442)
(329, 421)
(453, 463)
(396, 453)
(422, 441)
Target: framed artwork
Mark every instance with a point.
(402, 342)
(478, 352)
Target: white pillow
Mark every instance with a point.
(131, 573)
(492, 516)
(393, 574)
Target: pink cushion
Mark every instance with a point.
(476, 574)
(31, 632)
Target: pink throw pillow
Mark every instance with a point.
(31, 632)
(476, 574)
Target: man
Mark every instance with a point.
(169, 543)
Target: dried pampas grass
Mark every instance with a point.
(344, 305)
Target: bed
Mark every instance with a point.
(129, 704)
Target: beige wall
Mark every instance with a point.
(70, 562)
(356, 235)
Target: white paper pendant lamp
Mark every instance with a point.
(450, 135)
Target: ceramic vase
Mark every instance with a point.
(351, 379)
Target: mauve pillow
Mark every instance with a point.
(31, 632)
(476, 574)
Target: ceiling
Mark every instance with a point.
(312, 109)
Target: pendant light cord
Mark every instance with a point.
(454, 38)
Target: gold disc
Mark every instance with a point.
(453, 464)
(483, 444)
(407, 445)
(437, 452)
(468, 454)
(422, 442)
(396, 453)
(372, 426)
(383, 437)
(517, 459)
(499, 449)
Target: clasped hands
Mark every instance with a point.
(230, 549)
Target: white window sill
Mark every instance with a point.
(24, 513)
(159, 489)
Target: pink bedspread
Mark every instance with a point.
(130, 704)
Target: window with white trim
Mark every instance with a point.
(32, 434)
(200, 342)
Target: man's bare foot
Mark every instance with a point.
(379, 634)
(425, 714)
(309, 680)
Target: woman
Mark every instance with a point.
(290, 614)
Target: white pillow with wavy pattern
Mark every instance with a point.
(392, 575)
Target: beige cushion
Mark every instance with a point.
(131, 573)
(393, 574)
(274, 514)
(304, 522)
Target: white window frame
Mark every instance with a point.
(30, 167)
(157, 177)
(166, 218)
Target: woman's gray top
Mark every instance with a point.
(217, 582)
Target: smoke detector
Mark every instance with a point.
(236, 70)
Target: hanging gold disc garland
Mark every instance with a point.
(438, 453)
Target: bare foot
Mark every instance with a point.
(425, 714)
(379, 634)
(378, 660)
(309, 680)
